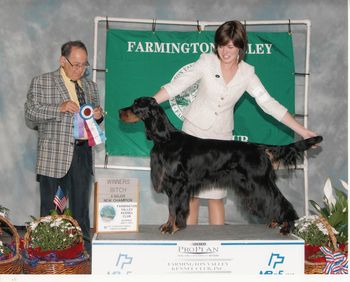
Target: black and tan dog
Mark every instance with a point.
(182, 164)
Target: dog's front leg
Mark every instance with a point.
(178, 212)
(170, 226)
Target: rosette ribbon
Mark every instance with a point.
(85, 120)
(336, 262)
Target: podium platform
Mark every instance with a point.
(236, 249)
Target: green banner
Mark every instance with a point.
(138, 63)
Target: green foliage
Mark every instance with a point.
(68, 212)
(312, 231)
(4, 211)
(53, 212)
(4, 249)
(53, 233)
(335, 210)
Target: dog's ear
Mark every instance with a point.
(157, 125)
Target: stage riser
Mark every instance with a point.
(265, 257)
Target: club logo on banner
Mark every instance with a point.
(180, 102)
(140, 62)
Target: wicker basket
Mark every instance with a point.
(56, 267)
(317, 267)
(14, 264)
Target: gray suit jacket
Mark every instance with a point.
(55, 129)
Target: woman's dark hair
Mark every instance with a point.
(231, 31)
(67, 47)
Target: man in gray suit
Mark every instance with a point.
(52, 101)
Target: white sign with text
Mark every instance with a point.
(117, 205)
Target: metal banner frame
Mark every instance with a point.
(202, 25)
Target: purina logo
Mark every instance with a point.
(274, 261)
(122, 262)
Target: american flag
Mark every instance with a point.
(60, 199)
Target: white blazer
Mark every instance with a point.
(215, 99)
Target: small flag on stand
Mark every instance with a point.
(60, 199)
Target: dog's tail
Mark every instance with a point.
(288, 155)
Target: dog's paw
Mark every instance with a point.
(164, 228)
(168, 228)
(285, 228)
(273, 224)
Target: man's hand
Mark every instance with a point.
(69, 106)
(98, 113)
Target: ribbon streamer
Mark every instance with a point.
(78, 128)
(85, 120)
(336, 262)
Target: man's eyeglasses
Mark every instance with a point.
(78, 66)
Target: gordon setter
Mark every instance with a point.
(182, 164)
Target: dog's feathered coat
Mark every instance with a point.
(182, 164)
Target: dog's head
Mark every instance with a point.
(151, 113)
(141, 109)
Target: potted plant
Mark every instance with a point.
(326, 231)
(54, 244)
(315, 235)
(55, 235)
(10, 259)
(5, 250)
(335, 210)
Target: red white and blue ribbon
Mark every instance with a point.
(336, 262)
(85, 120)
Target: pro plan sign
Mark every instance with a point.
(239, 257)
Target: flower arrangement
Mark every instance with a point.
(311, 230)
(54, 235)
(10, 258)
(335, 210)
(326, 233)
(54, 245)
(3, 211)
(5, 251)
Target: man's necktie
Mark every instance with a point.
(80, 93)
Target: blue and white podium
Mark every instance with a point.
(231, 249)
